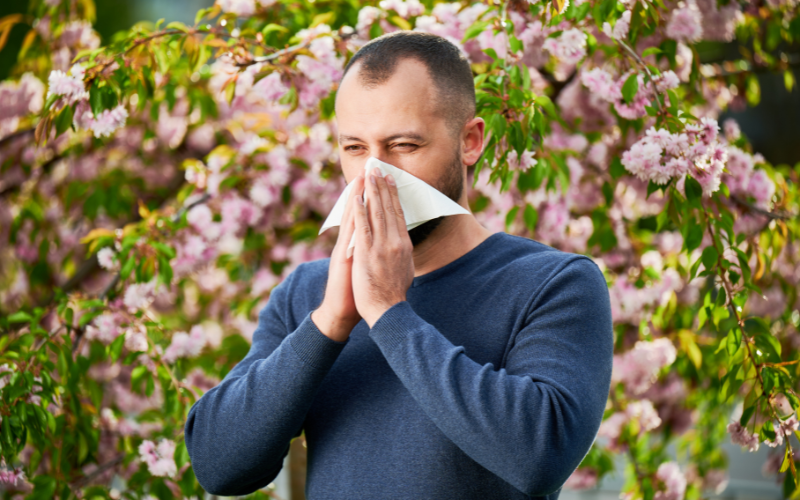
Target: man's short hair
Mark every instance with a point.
(446, 64)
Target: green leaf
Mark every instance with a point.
(19, 317)
(734, 340)
(651, 50)
(64, 120)
(630, 88)
(694, 191)
(531, 216)
(616, 169)
(474, 30)
(273, 27)
(709, 257)
(694, 237)
(510, 216)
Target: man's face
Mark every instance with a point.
(399, 122)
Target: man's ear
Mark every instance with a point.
(472, 140)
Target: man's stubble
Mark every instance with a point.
(451, 185)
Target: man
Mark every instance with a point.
(450, 363)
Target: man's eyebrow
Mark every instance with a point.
(402, 135)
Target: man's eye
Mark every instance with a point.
(405, 145)
(351, 148)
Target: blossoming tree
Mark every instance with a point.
(154, 190)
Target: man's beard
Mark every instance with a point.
(451, 185)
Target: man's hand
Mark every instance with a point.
(337, 315)
(383, 267)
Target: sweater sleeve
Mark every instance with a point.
(531, 422)
(238, 433)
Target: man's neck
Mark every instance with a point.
(455, 236)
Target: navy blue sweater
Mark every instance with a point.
(489, 382)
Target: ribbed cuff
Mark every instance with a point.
(394, 326)
(313, 346)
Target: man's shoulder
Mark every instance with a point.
(518, 253)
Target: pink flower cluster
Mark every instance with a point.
(641, 412)
(638, 368)
(69, 85)
(783, 428)
(674, 482)
(10, 476)
(685, 24)
(744, 180)
(741, 436)
(185, 345)
(629, 304)
(582, 478)
(104, 328)
(104, 124)
(602, 84)
(621, 27)
(661, 155)
(569, 47)
(105, 257)
(20, 98)
(243, 8)
(159, 458)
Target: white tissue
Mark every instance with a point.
(421, 202)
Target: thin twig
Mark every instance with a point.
(646, 70)
(761, 211)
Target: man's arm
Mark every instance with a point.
(532, 422)
(238, 433)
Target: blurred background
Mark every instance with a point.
(772, 126)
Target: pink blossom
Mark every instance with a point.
(159, 458)
(185, 345)
(10, 476)
(242, 8)
(170, 129)
(761, 187)
(104, 328)
(621, 27)
(527, 161)
(199, 379)
(139, 295)
(263, 281)
(104, 124)
(741, 436)
(569, 47)
(599, 82)
(582, 478)
(638, 368)
(271, 87)
(68, 84)
(553, 220)
(366, 18)
(674, 482)
(136, 339)
(105, 257)
(685, 24)
(732, 130)
(79, 34)
(21, 98)
(404, 9)
(201, 138)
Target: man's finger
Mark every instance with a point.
(375, 212)
(347, 227)
(394, 194)
(388, 206)
(362, 229)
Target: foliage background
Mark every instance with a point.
(112, 400)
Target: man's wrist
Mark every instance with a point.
(331, 326)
